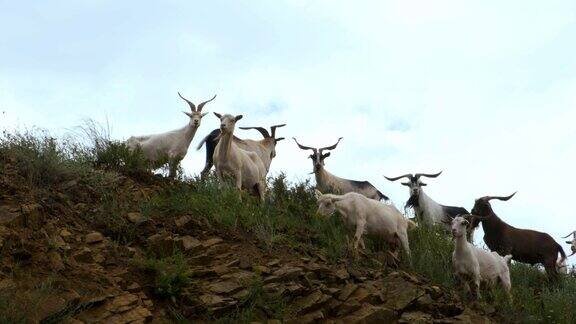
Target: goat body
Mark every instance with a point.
(367, 216)
(245, 167)
(527, 246)
(474, 265)
(327, 182)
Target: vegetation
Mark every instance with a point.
(286, 220)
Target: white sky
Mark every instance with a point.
(484, 90)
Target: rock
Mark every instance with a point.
(371, 314)
(84, 256)
(416, 317)
(133, 287)
(94, 237)
(308, 318)
(136, 315)
(288, 273)
(225, 287)
(244, 262)
(180, 222)
(272, 263)
(348, 307)
(212, 241)
(342, 274)
(312, 302)
(135, 218)
(119, 303)
(210, 300)
(187, 243)
(399, 293)
(33, 217)
(347, 291)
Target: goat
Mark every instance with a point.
(525, 245)
(265, 148)
(425, 208)
(368, 216)
(572, 243)
(170, 146)
(327, 182)
(561, 266)
(245, 167)
(474, 265)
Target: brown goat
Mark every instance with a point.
(525, 245)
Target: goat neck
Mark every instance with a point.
(225, 143)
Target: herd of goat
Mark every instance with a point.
(247, 162)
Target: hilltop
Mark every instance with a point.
(88, 235)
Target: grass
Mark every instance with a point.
(286, 220)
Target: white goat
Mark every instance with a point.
(425, 208)
(367, 216)
(561, 265)
(171, 146)
(265, 148)
(245, 167)
(326, 181)
(572, 243)
(473, 265)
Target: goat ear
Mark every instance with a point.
(406, 184)
(237, 118)
(325, 155)
(203, 114)
(422, 184)
(568, 242)
(466, 222)
(317, 193)
(187, 114)
(279, 139)
(217, 115)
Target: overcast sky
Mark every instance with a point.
(484, 90)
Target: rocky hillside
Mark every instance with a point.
(87, 234)
(79, 244)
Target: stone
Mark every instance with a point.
(32, 216)
(244, 262)
(342, 274)
(348, 307)
(121, 301)
(187, 243)
(416, 318)
(55, 261)
(84, 256)
(136, 315)
(225, 287)
(212, 241)
(210, 300)
(288, 273)
(180, 222)
(369, 314)
(135, 218)
(347, 291)
(272, 263)
(312, 302)
(94, 237)
(313, 317)
(133, 287)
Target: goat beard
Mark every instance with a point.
(412, 202)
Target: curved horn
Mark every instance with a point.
(503, 198)
(262, 130)
(434, 175)
(189, 102)
(569, 234)
(201, 105)
(330, 147)
(407, 175)
(305, 147)
(273, 129)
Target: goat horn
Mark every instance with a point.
(569, 234)
(407, 175)
(305, 147)
(262, 130)
(418, 175)
(189, 102)
(330, 147)
(500, 197)
(273, 129)
(201, 105)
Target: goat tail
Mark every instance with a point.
(382, 196)
(508, 258)
(202, 142)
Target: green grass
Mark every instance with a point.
(286, 220)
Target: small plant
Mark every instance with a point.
(169, 274)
